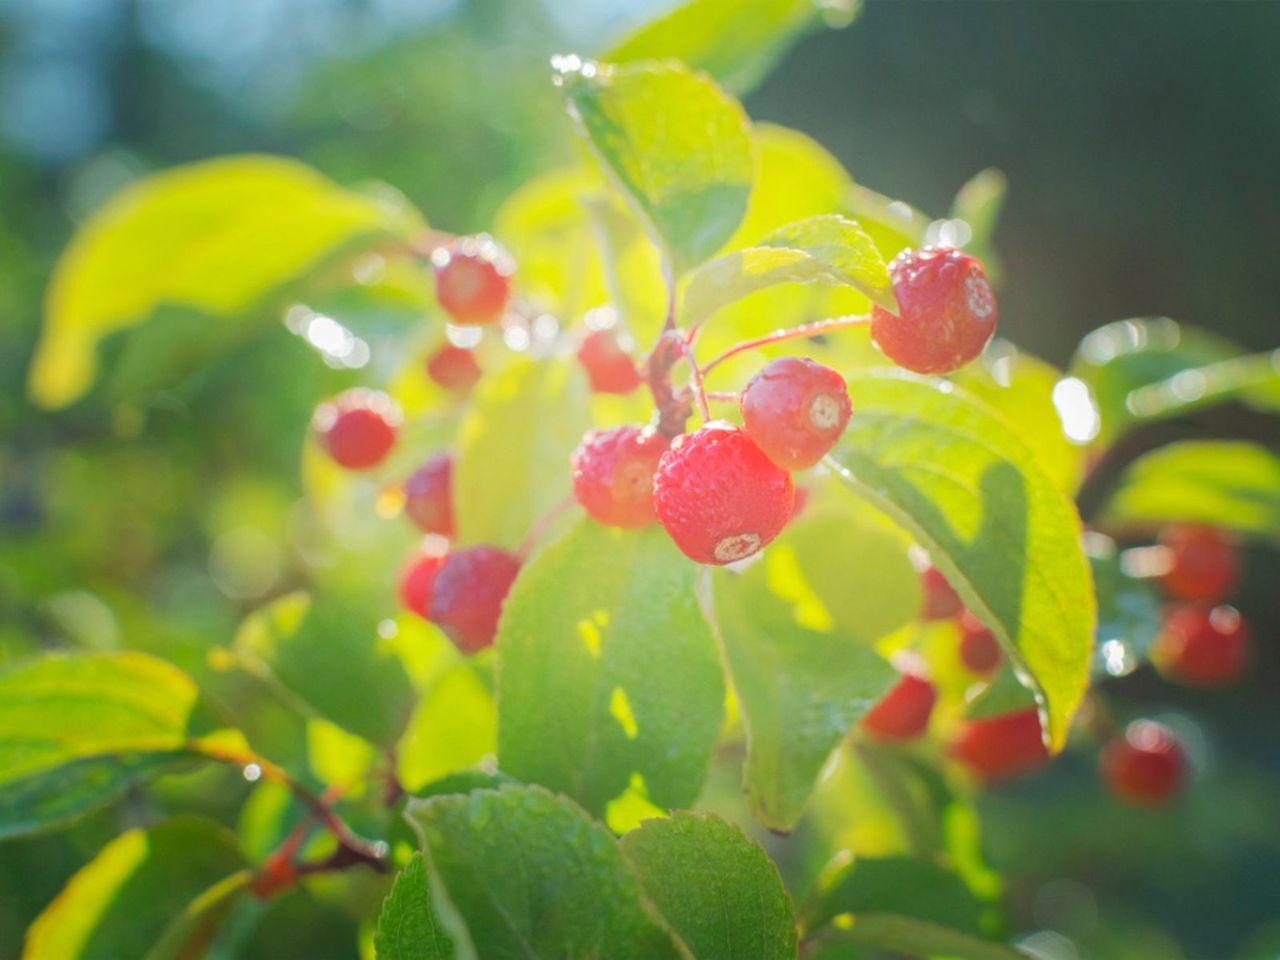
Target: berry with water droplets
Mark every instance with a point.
(1000, 747)
(941, 602)
(718, 496)
(1203, 563)
(979, 649)
(428, 496)
(795, 410)
(1202, 646)
(613, 474)
(469, 593)
(610, 368)
(903, 712)
(946, 310)
(358, 428)
(417, 584)
(453, 368)
(1146, 766)
(473, 280)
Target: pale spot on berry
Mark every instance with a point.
(737, 547)
(824, 411)
(978, 297)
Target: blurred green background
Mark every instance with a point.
(1140, 142)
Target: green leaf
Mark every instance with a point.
(802, 680)
(736, 41)
(719, 891)
(677, 146)
(140, 896)
(1253, 379)
(607, 670)
(460, 703)
(408, 928)
(1006, 538)
(892, 224)
(513, 449)
(978, 203)
(920, 938)
(825, 249)
(1225, 483)
(534, 877)
(216, 236)
(1128, 609)
(907, 886)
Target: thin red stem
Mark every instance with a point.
(540, 528)
(791, 333)
(695, 376)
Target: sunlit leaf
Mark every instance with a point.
(457, 702)
(908, 886)
(978, 203)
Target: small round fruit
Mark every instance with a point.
(357, 428)
(613, 474)
(428, 496)
(473, 280)
(941, 602)
(469, 592)
(718, 496)
(417, 584)
(610, 368)
(1203, 563)
(903, 712)
(795, 410)
(946, 311)
(979, 649)
(1201, 646)
(453, 368)
(1000, 747)
(1146, 766)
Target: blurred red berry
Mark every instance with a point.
(428, 496)
(940, 601)
(979, 649)
(453, 368)
(417, 584)
(473, 280)
(1203, 563)
(795, 410)
(1202, 646)
(946, 311)
(613, 474)
(997, 748)
(610, 368)
(469, 592)
(1146, 766)
(718, 496)
(357, 428)
(903, 712)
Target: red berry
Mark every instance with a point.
(997, 748)
(453, 368)
(1202, 646)
(473, 280)
(979, 649)
(613, 474)
(940, 601)
(418, 583)
(903, 712)
(1146, 766)
(946, 315)
(428, 496)
(358, 428)
(469, 592)
(1203, 564)
(718, 496)
(610, 368)
(795, 409)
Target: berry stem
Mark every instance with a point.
(790, 333)
(695, 375)
(541, 526)
(721, 396)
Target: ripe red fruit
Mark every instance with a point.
(357, 428)
(940, 601)
(946, 315)
(795, 409)
(610, 368)
(718, 496)
(1146, 766)
(473, 280)
(997, 748)
(979, 649)
(613, 474)
(453, 368)
(1202, 646)
(417, 584)
(903, 712)
(1203, 564)
(428, 496)
(469, 592)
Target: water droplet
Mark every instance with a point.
(252, 772)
